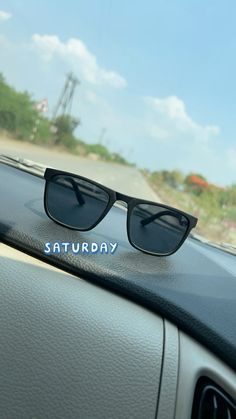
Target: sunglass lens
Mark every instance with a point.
(75, 202)
(156, 229)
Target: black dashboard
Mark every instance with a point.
(195, 288)
(123, 334)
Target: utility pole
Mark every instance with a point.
(101, 136)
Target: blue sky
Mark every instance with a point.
(157, 77)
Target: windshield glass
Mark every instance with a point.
(138, 96)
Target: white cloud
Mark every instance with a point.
(77, 55)
(176, 140)
(169, 121)
(4, 15)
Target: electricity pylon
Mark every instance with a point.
(64, 103)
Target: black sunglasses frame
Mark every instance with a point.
(114, 197)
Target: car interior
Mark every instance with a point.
(117, 209)
(126, 336)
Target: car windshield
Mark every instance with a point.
(139, 96)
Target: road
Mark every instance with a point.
(127, 180)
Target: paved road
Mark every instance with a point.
(127, 180)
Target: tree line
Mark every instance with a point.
(20, 118)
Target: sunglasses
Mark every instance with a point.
(80, 204)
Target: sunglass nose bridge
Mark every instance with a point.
(122, 197)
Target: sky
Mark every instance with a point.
(157, 78)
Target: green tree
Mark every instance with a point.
(231, 195)
(172, 178)
(16, 111)
(65, 126)
(176, 178)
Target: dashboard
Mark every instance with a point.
(125, 336)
